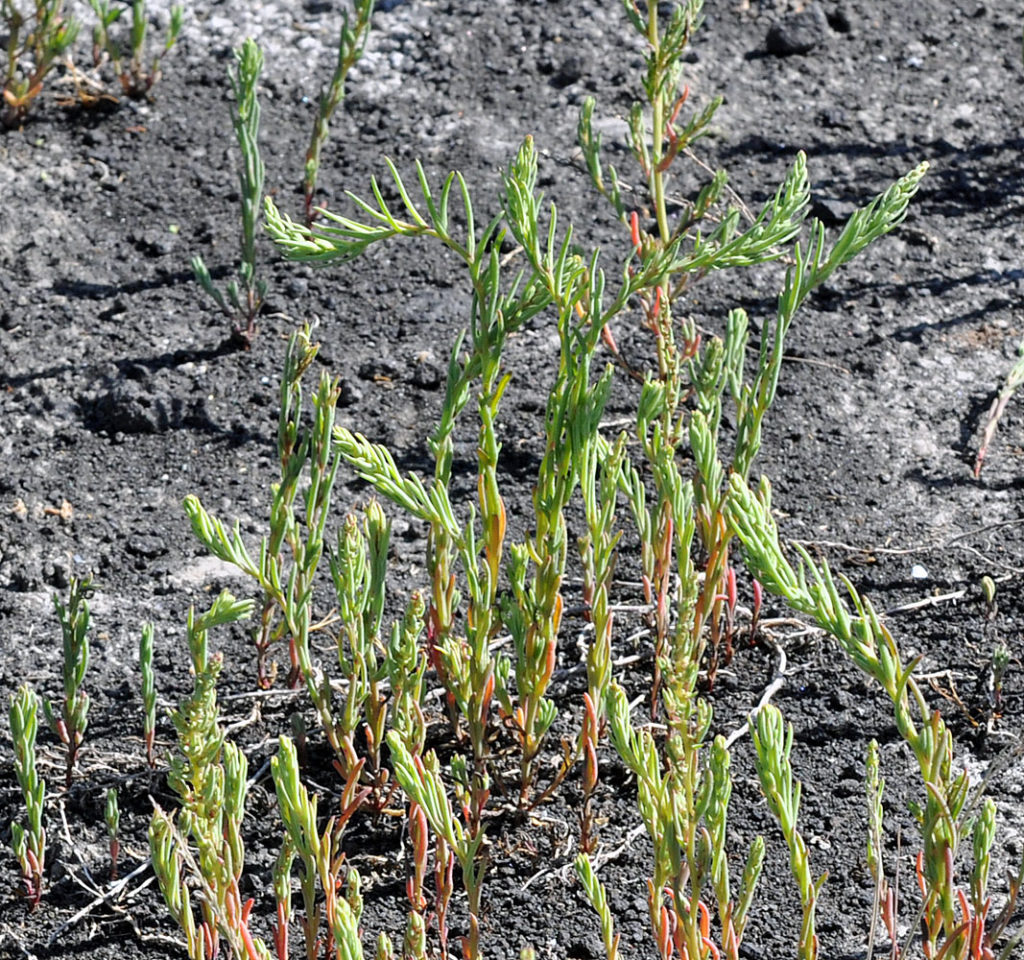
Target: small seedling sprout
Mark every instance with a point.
(242, 304)
(137, 77)
(35, 42)
(112, 817)
(351, 44)
(69, 717)
(29, 843)
(148, 692)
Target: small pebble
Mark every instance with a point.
(797, 33)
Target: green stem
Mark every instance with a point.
(658, 130)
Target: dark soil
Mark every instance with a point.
(122, 392)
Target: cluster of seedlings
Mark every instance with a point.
(42, 35)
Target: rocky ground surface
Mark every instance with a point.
(122, 393)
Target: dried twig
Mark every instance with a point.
(778, 680)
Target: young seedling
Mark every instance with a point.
(112, 817)
(988, 591)
(36, 40)
(773, 742)
(351, 44)
(29, 843)
(595, 892)
(290, 556)
(69, 717)
(210, 778)
(139, 74)
(683, 800)
(1000, 663)
(420, 778)
(148, 693)
(319, 853)
(242, 304)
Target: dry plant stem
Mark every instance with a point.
(885, 905)
(29, 844)
(114, 891)
(69, 717)
(1014, 379)
(351, 44)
